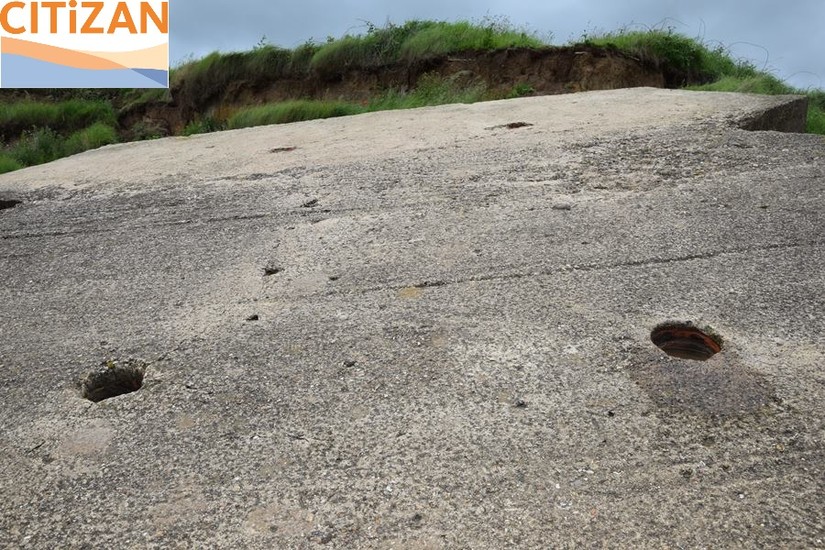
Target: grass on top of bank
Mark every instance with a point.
(712, 67)
(70, 121)
(431, 90)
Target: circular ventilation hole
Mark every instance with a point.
(113, 378)
(685, 341)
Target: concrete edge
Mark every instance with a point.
(790, 115)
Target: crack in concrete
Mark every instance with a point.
(132, 227)
(287, 217)
(53, 234)
(698, 256)
(593, 267)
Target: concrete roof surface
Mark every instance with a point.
(422, 329)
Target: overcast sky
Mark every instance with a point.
(785, 37)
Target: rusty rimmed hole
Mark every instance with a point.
(685, 341)
(112, 378)
(5, 204)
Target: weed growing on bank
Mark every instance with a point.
(714, 67)
(431, 90)
(199, 82)
(816, 112)
(41, 145)
(675, 52)
(69, 115)
(8, 163)
(444, 38)
(290, 111)
(416, 41)
(203, 125)
(769, 85)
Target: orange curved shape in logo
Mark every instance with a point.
(156, 57)
(56, 55)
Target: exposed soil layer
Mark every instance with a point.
(535, 71)
(544, 71)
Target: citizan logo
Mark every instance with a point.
(84, 44)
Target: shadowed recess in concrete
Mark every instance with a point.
(113, 378)
(685, 341)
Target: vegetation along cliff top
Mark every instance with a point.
(414, 64)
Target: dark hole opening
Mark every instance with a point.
(685, 341)
(511, 126)
(8, 203)
(514, 125)
(112, 378)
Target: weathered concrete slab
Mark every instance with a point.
(451, 345)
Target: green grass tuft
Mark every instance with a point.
(96, 135)
(766, 84)
(694, 61)
(299, 64)
(760, 84)
(203, 126)
(415, 41)
(70, 115)
(42, 145)
(816, 120)
(378, 47)
(8, 163)
(291, 111)
(432, 89)
(198, 82)
(816, 111)
(38, 146)
(676, 52)
(443, 38)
